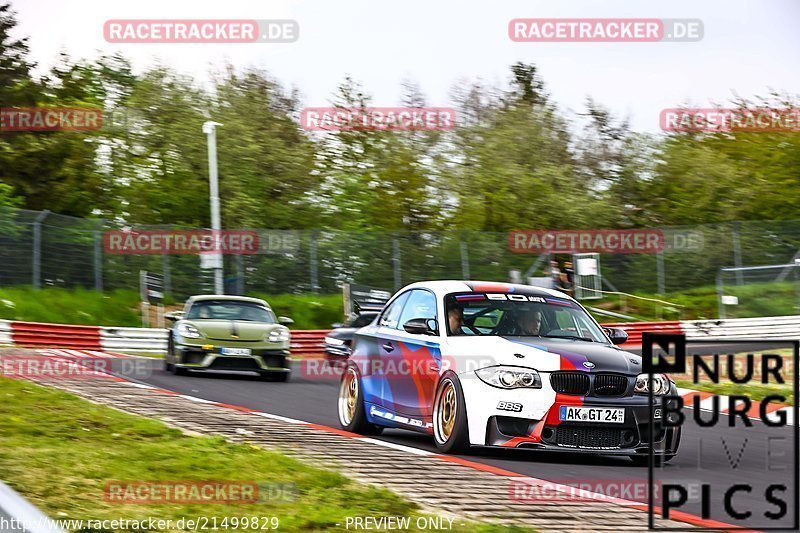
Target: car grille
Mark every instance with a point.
(234, 363)
(588, 437)
(610, 385)
(570, 383)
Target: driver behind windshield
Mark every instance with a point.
(527, 322)
(455, 320)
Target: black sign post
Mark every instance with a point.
(151, 291)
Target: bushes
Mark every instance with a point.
(309, 311)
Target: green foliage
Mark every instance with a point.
(309, 311)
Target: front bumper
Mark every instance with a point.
(537, 425)
(208, 357)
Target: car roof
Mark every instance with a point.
(444, 287)
(228, 297)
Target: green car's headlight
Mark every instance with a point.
(188, 331)
(278, 335)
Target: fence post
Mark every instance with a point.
(240, 275)
(398, 280)
(313, 261)
(98, 257)
(37, 249)
(737, 254)
(464, 260)
(166, 273)
(720, 305)
(660, 273)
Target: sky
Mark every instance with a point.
(749, 47)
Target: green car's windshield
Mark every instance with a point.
(519, 315)
(228, 310)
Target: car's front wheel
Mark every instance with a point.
(169, 355)
(450, 430)
(352, 415)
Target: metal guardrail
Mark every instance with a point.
(309, 343)
(786, 327)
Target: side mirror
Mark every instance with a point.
(174, 316)
(285, 320)
(421, 326)
(337, 325)
(617, 335)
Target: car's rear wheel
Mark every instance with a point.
(352, 415)
(450, 430)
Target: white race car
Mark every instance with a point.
(495, 364)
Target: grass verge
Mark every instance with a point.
(754, 391)
(59, 451)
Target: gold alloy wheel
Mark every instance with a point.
(348, 396)
(446, 409)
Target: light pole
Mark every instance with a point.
(209, 128)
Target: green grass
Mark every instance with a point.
(755, 300)
(59, 451)
(309, 311)
(70, 306)
(120, 308)
(754, 391)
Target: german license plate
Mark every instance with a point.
(591, 414)
(235, 351)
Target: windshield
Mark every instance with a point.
(519, 315)
(229, 310)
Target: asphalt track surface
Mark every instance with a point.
(720, 456)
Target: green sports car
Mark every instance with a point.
(218, 332)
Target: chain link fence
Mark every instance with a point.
(43, 249)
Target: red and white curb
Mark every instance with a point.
(705, 402)
(517, 477)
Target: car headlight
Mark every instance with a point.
(278, 335)
(333, 341)
(188, 331)
(660, 384)
(510, 377)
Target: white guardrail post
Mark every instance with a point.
(5, 332)
(784, 327)
(134, 339)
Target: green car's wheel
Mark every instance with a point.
(170, 353)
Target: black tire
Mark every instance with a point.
(352, 417)
(170, 354)
(457, 439)
(277, 377)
